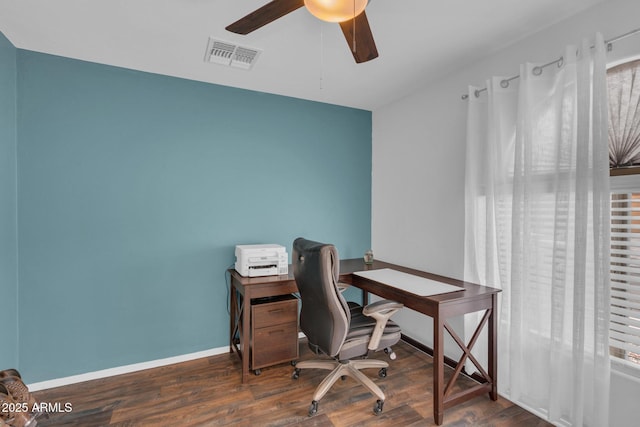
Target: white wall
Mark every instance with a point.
(418, 163)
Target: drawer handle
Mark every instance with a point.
(276, 310)
(279, 331)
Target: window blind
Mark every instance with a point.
(625, 276)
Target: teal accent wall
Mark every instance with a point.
(134, 189)
(8, 204)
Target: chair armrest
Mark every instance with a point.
(381, 306)
(381, 311)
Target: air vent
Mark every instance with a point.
(244, 57)
(219, 52)
(225, 53)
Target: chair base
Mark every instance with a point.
(350, 368)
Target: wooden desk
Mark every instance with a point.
(439, 307)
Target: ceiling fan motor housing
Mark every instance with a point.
(335, 10)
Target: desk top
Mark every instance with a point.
(424, 304)
(349, 266)
(411, 283)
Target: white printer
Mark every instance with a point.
(261, 260)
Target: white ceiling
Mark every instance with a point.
(418, 41)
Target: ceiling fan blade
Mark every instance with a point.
(266, 14)
(365, 47)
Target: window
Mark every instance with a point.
(624, 154)
(625, 276)
(623, 87)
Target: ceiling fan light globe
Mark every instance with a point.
(335, 10)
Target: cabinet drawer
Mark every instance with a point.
(275, 313)
(274, 344)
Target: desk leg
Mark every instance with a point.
(365, 298)
(245, 340)
(233, 314)
(493, 348)
(240, 306)
(438, 369)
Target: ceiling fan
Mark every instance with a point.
(349, 14)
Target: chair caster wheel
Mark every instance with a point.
(257, 372)
(294, 362)
(382, 373)
(296, 374)
(313, 409)
(377, 408)
(391, 353)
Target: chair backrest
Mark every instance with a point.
(325, 316)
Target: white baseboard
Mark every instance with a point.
(74, 379)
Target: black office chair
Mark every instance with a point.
(344, 331)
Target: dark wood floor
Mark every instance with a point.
(208, 392)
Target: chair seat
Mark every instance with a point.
(364, 325)
(360, 329)
(355, 310)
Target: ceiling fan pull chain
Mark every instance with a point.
(321, 55)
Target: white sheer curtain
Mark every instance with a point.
(537, 226)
